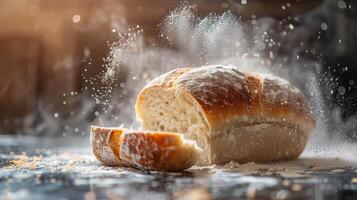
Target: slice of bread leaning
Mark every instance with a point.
(161, 151)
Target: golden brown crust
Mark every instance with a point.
(143, 150)
(167, 80)
(279, 98)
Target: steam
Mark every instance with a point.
(193, 41)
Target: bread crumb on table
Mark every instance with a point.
(354, 180)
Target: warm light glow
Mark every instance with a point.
(76, 18)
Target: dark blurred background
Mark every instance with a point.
(46, 47)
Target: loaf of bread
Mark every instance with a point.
(233, 116)
(143, 150)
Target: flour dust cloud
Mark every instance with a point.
(264, 45)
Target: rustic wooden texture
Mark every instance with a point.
(18, 80)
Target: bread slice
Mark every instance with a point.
(233, 116)
(161, 151)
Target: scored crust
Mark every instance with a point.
(143, 150)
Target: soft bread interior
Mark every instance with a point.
(171, 110)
